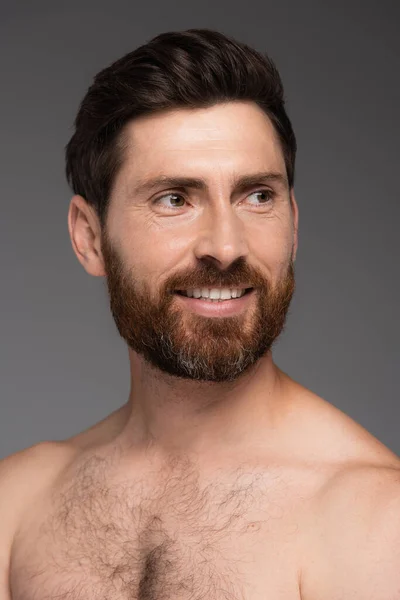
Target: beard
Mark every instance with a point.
(187, 345)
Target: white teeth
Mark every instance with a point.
(215, 293)
(226, 294)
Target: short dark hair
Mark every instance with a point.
(196, 68)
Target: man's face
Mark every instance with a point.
(167, 239)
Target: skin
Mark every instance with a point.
(344, 485)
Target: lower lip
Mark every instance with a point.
(223, 308)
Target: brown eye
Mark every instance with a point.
(158, 200)
(266, 196)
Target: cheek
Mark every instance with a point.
(149, 256)
(272, 243)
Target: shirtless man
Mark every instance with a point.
(221, 477)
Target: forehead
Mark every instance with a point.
(230, 137)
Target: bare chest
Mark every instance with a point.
(169, 536)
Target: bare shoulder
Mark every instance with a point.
(24, 465)
(360, 492)
(352, 539)
(22, 475)
(29, 469)
(362, 472)
(320, 429)
(351, 533)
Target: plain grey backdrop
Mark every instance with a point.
(63, 365)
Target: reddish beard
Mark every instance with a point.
(188, 345)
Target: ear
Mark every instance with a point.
(85, 233)
(295, 214)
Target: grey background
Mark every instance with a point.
(62, 365)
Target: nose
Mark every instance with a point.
(222, 237)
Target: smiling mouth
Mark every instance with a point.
(183, 292)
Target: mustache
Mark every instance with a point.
(238, 275)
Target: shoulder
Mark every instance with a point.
(359, 495)
(326, 434)
(350, 536)
(35, 463)
(18, 470)
(23, 475)
(354, 544)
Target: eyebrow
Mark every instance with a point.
(240, 183)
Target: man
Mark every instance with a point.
(221, 477)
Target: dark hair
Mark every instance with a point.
(197, 68)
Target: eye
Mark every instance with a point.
(268, 195)
(170, 195)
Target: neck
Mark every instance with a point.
(184, 416)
